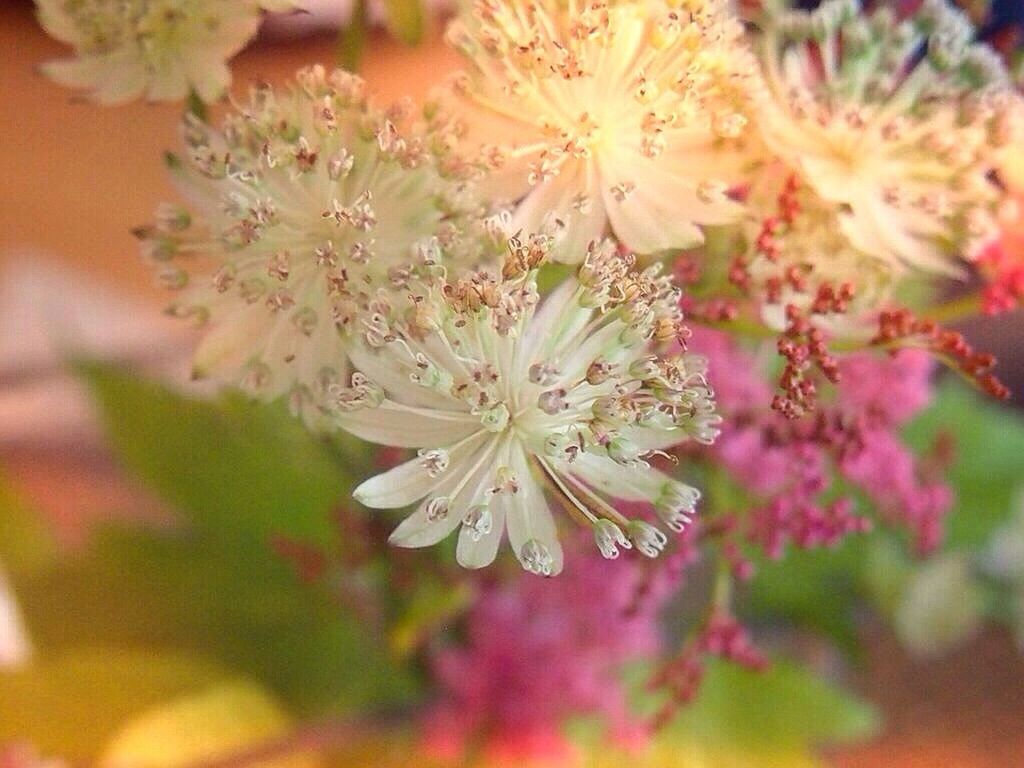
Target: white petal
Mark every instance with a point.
(419, 531)
(528, 516)
(210, 77)
(462, 484)
(481, 553)
(124, 79)
(74, 73)
(409, 482)
(403, 426)
(617, 481)
(169, 83)
(227, 346)
(880, 232)
(540, 329)
(554, 200)
(382, 369)
(663, 209)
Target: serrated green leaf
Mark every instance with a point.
(405, 20)
(70, 705)
(236, 468)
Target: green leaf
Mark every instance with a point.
(352, 38)
(989, 467)
(782, 708)
(71, 704)
(816, 588)
(236, 468)
(405, 20)
(245, 608)
(26, 543)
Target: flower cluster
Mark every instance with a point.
(304, 204)
(537, 653)
(379, 269)
(790, 467)
(509, 398)
(160, 49)
(538, 292)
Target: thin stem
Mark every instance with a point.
(722, 596)
(955, 309)
(196, 107)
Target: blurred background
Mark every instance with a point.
(77, 177)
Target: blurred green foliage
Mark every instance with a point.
(212, 591)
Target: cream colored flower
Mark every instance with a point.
(618, 115)
(895, 124)
(797, 246)
(157, 49)
(510, 399)
(304, 202)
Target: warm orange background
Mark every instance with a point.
(75, 177)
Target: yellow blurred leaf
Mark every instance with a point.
(72, 704)
(228, 719)
(673, 754)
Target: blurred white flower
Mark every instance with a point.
(1004, 557)
(15, 648)
(895, 124)
(508, 401)
(307, 201)
(157, 49)
(941, 606)
(799, 247)
(621, 115)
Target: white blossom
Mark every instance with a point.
(511, 400)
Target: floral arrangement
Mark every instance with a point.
(672, 284)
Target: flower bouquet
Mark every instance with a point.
(594, 411)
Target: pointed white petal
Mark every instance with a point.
(402, 426)
(460, 486)
(421, 530)
(479, 553)
(617, 481)
(409, 482)
(554, 201)
(383, 370)
(663, 209)
(528, 517)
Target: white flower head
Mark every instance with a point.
(306, 202)
(621, 115)
(897, 124)
(511, 399)
(159, 49)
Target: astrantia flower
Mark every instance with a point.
(798, 247)
(895, 124)
(306, 201)
(510, 399)
(160, 49)
(622, 115)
